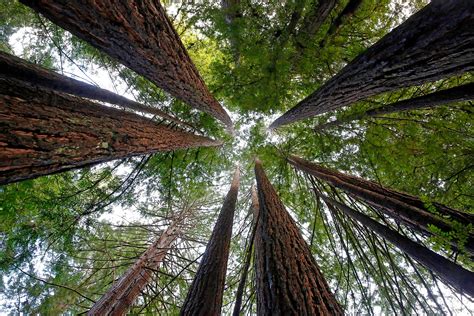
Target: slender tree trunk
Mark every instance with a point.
(14, 67)
(123, 293)
(348, 11)
(435, 43)
(139, 35)
(44, 132)
(205, 294)
(404, 207)
(313, 20)
(248, 257)
(456, 94)
(288, 278)
(231, 9)
(451, 273)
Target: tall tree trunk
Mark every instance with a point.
(313, 20)
(139, 35)
(288, 278)
(431, 100)
(404, 207)
(14, 67)
(123, 293)
(453, 274)
(435, 43)
(205, 294)
(248, 257)
(348, 11)
(44, 132)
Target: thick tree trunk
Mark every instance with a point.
(44, 132)
(123, 293)
(139, 35)
(313, 20)
(288, 278)
(248, 257)
(451, 273)
(14, 67)
(456, 94)
(205, 294)
(435, 43)
(404, 207)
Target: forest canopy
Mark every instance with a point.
(130, 133)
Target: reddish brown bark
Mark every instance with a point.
(453, 274)
(248, 256)
(205, 294)
(44, 132)
(435, 43)
(431, 100)
(123, 293)
(139, 35)
(14, 67)
(288, 278)
(406, 208)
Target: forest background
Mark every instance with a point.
(65, 237)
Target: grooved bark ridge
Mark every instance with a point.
(404, 207)
(123, 293)
(44, 132)
(435, 43)
(139, 35)
(288, 278)
(205, 294)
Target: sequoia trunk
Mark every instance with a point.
(44, 132)
(288, 278)
(453, 274)
(431, 100)
(14, 67)
(248, 256)
(435, 43)
(123, 293)
(139, 35)
(401, 206)
(205, 295)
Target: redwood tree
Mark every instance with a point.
(14, 67)
(406, 208)
(288, 278)
(44, 132)
(435, 43)
(456, 94)
(453, 274)
(205, 294)
(123, 293)
(139, 35)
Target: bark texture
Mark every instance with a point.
(431, 100)
(248, 257)
(404, 207)
(288, 278)
(123, 293)
(44, 132)
(139, 35)
(205, 294)
(14, 67)
(453, 274)
(435, 43)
